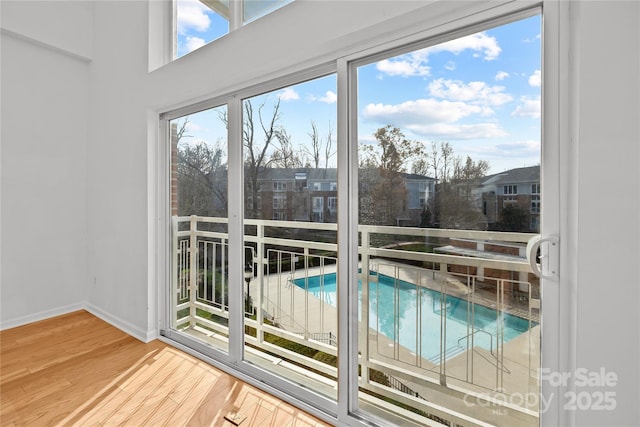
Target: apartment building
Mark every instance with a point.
(516, 188)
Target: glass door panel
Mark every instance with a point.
(449, 143)
(290, 231)
(200, 297)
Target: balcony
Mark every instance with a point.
(450, 331)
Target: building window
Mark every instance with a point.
(509, 200)
(318, 203)
(301, 180)
(332, 203)
(279, 186)
(535, 223)
(279, 201)
(535, 188)
(325, 186)
(535, 204)
(279, 216)
(510, 189)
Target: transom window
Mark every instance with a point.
(199, 22)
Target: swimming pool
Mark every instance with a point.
(397, 311)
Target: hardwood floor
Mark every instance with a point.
(78, 370)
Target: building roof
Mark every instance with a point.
(514, 176)
(318, 174)
(313, 174)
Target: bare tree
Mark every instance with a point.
(420, 166)
(468, 174)
(202, 180)
(181, 129)
(328, 147)
(285, 156)
(257, 151)
(201, 175)
(314, 149)
(446, 154)
(435, 160)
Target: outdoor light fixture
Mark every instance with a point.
(248, 275)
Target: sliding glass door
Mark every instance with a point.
(356, 235)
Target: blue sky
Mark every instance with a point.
(481, 93)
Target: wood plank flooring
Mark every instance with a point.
(77, 370)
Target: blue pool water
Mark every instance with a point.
(391, 299)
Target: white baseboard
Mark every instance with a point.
(123, 325)
(42, 315)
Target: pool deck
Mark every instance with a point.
(511, 368)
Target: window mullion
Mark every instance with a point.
(235, 14)
(236, 231)
(347, 248)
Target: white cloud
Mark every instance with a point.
(191, 14)
(431, 118)
(329, 97)
(288, 94)
(501, 75)
(529, 107)
(404, 66)
(504, 156)
(533, 39)
(535, 79)
(476, 92)
(415, 63)
(479, 42)
(459, 131)
(487, 111)
(450, 66)
(426, 111)
(194, 43)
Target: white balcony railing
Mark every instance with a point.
(464, 348)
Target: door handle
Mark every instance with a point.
(551, 260)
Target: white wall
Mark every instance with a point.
(43, 171)
(64, 26)
(607, 55)
(117, 168)
(117, 204)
